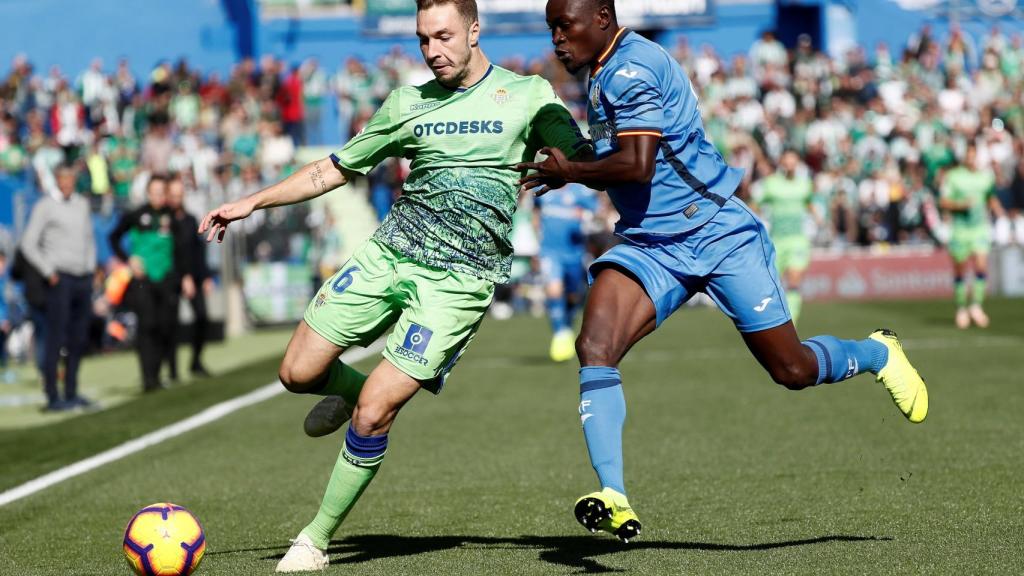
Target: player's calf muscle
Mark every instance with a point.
(794, 374)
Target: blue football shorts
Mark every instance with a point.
(730, 259)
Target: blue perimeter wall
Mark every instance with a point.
(334, 40)
(213, 34)
(70, 33)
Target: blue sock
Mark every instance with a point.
(603, 412)
(842, 359)
(556, 314)
(364, 450)
(570, 314)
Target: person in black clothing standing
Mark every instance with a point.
(192, 272)
(153, 291)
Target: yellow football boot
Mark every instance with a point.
(610, 512)
(901, 379)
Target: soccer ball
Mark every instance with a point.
(164, 540)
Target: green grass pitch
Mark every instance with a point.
(730, 473)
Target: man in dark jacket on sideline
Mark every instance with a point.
(192, 272)
(153, 291)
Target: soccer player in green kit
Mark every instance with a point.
(428, 273)
(968, 193)
(788, 195)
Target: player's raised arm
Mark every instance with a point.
(312, 180)
(375, 143)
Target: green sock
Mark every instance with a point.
(795, 302)
(349, 479)
(343, 380)
(960, 293)
(978, 296)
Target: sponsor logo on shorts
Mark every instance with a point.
(415, 345)
(417, 338)
(763, 306)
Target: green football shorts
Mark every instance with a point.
(792, 254)
(433, 314)
(969, 240)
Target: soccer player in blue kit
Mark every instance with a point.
(561, 215)
(684, 232)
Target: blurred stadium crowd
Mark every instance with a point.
(875, 130)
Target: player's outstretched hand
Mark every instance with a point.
(547, 175)
(216, 222)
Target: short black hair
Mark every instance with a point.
(598, 4)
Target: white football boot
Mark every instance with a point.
(303, 556)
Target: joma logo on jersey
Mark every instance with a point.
(415, 345)
(462, 127)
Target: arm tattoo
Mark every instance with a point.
(317, 176)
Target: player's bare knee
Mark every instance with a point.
(593, 351)
(372, 419)
(290, 379)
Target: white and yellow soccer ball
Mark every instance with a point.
(164, 540)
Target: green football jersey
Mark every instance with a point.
(456, 209)
(788, 202)
(973, 187)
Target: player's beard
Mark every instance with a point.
(461, 69)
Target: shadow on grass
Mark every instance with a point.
(567, 551)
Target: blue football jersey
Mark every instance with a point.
(562, 213)
(637, 88)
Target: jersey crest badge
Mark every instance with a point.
(595, 97)
(501, 96)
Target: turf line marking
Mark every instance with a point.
(211, 414)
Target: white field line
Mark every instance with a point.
(211, 414)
